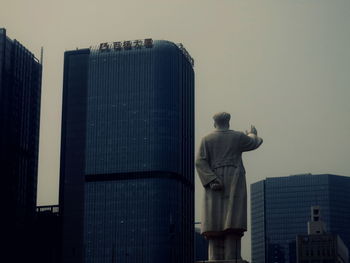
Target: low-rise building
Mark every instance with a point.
(318, 246)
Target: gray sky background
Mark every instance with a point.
(282, 65)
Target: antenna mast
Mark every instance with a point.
(41, 55)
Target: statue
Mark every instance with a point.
(221, 171)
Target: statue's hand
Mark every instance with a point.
(252, 130)
(216, 185)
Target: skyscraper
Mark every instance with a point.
(280, 207)
(20, 92)
(126, 180)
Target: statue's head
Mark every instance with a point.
(222, 120)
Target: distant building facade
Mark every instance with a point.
(126, 177)
(201, 246)
(318, 246)
(280, 207)
(46, 235)
(20, 93)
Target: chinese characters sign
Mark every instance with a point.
(126, 45)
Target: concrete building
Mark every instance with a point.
(280, 206)
(318, 246)
(126, 178)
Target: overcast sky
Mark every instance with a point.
(282, 65)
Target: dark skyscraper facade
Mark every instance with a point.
(126, 180)
(280, 207)
(20, 92)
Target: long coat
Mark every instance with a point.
(220, 156)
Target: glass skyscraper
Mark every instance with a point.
(280, 209)
(20, 93)
(126, 179)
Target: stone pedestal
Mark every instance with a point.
(224, 261)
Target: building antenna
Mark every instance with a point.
(41, 55)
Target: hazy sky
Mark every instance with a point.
(282, 65)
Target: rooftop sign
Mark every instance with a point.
(125, 45)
